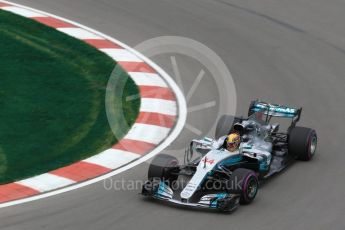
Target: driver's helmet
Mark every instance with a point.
(233, 142)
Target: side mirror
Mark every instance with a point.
(189, 152)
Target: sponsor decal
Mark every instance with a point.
(277, 109)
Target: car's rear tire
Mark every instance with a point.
(248, 184)
(225, 124)
(160, 168)
(302, 143)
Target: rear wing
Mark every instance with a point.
(274, 110)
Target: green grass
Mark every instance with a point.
(52, 99)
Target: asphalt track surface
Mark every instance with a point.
(284, 51)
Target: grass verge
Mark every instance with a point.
(52, 92)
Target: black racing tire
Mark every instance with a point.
(159, 168)
(302, 143)
(225, 125)
(246, 183)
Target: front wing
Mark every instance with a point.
(220, 201)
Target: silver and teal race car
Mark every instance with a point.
(213, 177)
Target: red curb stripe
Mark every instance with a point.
(134, 146)
(137, 67)
(156, 119)
(80, 171)
(2, 4)
(156, 92)
(15, 191)
(53, 22)
(101, 44)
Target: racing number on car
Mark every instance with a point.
(205, 160)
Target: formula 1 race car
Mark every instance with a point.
(214, 177)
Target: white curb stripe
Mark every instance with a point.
(112, 158)
(22, 12)
(153, 105)
(121, 55)
(149, 79)
(79, 33)
(147, 133)
(46, 182)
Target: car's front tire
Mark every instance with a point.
(246, 183)
(160, 167)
